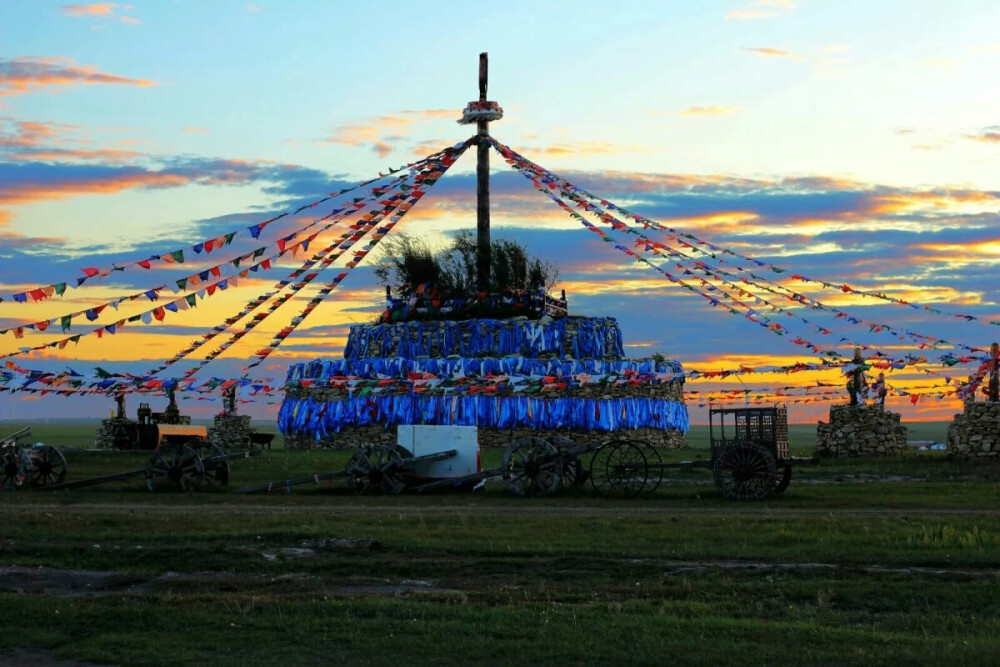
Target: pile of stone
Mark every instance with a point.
(975, 433)
(231, 432)
(105, 434)
(860, 430)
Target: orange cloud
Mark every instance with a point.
(987, 135)
(107, 9)
(96, 9)
(771, 52)
(707, 111)
(30, 140)
(27, 74)
(194, 130)
(25, 193)
(108, 155)
(583, 148)
(383, 133)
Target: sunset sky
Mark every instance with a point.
(851, 142)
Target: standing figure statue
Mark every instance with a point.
(857, 383)
(229, 401)
(879, 390)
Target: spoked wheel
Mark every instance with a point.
(175, 465)
(597, 473)
(16, 466)
(626, 468)
(783, 479)
(745, 471)
(375, 469)
(654, 466)
(532, 467)
(48, 467)
(216, 472)
(571, 469)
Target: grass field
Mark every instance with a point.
(859, 562)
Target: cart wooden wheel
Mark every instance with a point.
(48, 467)
(597, 472)
(532, 467)
(618, 466)
(571, 469)
(626, 468)
(784, 479)
(375, 469)
(16, 466)
(216, 472)
(744, 471)
(654, 466)
(175, 465)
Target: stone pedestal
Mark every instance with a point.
(231, 432)
(860, 430)
(975, 433)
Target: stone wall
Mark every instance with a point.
(355, 436)
(975, 433)
(860, 430)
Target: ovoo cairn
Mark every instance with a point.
(510, 377)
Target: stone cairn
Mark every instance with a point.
(231, 431)
(860, 430)
(447, 340)
(117, 422)
(975, 432)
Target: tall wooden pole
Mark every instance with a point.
(483, 188)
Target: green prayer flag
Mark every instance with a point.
(60, 288)
(229, 237)
(65, 321)
(182, 283)
(178, 256)
(191, 299)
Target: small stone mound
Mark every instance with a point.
(860, 430)
(231, 432)
(975, 433)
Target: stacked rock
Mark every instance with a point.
(105, 438)
(975, 433)
(231, 431)
(510, 377)
(860, 430)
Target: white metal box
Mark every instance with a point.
(424, 440)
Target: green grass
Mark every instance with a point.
(861, 561)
